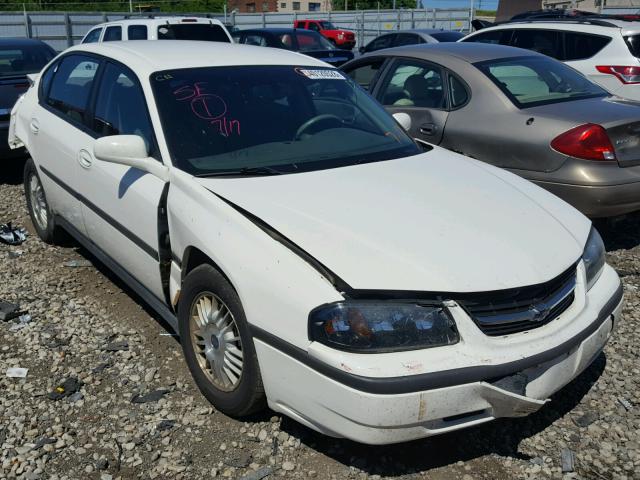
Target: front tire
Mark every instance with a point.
(39, 209)
(217, 343)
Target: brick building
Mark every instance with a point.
(252, 6)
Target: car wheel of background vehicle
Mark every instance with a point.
(217, 343)
(39, 210)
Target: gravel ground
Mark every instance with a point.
(87, 326)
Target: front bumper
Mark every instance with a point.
(382, 410)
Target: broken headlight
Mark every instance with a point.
(374, 327)
(593, 257)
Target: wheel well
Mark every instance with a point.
(194, 257)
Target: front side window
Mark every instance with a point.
(221, 120)
(578, 46)
(494, 37)
(137, 32)
(93, 36)
(20, 60)
(71, 86)
(309, 42)
(112, 34)
(532, 81)
(314, 26)
(363, 75)
(385, 41)
(328, 26)
(414, 84)
(193, 31)
(546, 42)
(120, 106)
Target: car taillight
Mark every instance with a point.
(589, 141)
(624, 74)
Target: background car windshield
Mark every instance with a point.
(192, 31)
(447, 36)
(308, 42)
(286, 118)
(22, 60)
(531, 81)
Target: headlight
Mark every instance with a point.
(593, 257)
(373, 327)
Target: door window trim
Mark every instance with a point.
(42, 100)
(465, 85)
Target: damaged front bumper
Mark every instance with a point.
(382, 410)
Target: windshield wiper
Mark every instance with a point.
(243, 172)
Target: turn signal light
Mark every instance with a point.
(624, 74)
(589, 141)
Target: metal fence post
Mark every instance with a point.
(433, 15)
(233, 18)
(363, 31)
(68, 30)
(399, 20)
(27, 25)
(264, 20)
(413, 20)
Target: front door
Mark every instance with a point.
(121, 207)
(418, 89)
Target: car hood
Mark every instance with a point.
(431, 222)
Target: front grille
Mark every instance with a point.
(520, 309)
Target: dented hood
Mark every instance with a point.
(431, 222)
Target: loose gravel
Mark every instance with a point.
(108, 396)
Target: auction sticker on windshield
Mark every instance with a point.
(321, 74)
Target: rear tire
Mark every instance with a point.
(39, 209)
(217, 343)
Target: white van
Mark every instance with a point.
(159, 28)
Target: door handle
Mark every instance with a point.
(34, 126)
(84, 159)
(428, 128)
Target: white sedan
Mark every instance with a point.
(310, 255)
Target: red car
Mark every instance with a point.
(340, 38)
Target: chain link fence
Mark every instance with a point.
(64, 29)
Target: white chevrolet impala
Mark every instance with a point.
(311, 256)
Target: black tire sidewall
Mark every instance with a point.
(248, 397)
(48, 234)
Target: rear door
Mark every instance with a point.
(121, 207)
(417, 88)
(58, 131)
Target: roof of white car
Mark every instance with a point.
(161, 20)
(576, 26)
(148, 57)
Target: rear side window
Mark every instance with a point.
(112, 34)
(193, 31)
(71, 86)
(379, 43)
(407, 39)
(546, 42)
(447, 36)
(254, 39)
(137, 32)
(578, 46)
(496, 37)
(93, 36)
(633, 42)
(457, 92)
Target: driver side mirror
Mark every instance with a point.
(131, 151)
(362, 50)
(403, 119)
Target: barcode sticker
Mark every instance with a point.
(321, 74)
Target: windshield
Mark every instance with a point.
(192, 31)
(532, 81)
(447, 36)
(17, 61)
(327, 26)
(283, 119)
(310, 41)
